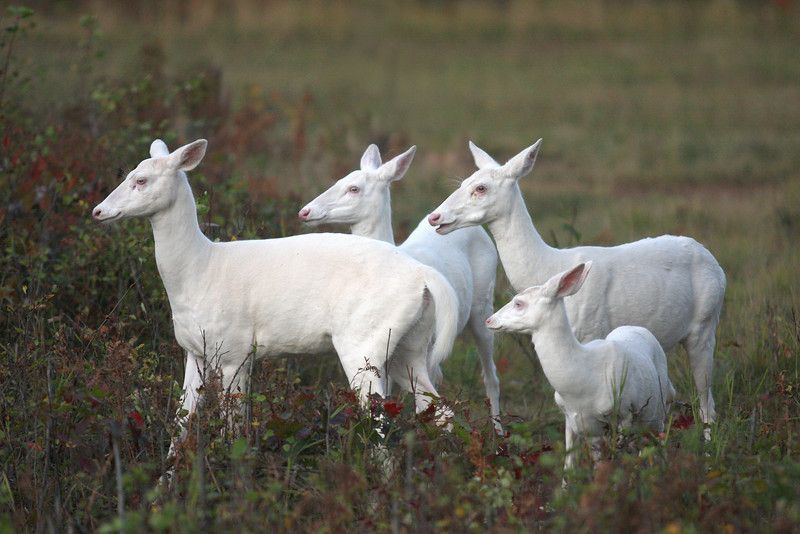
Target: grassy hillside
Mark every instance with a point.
(668, 117)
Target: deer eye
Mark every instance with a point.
(354, 189)
(518, 304)
(480, 189)
(141, 181)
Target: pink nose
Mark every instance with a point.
(489, 321)
(304, 213)
(97, 213)
(434, 218)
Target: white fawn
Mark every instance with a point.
(623, 376)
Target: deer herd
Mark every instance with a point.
(600, 318)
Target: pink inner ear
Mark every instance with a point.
(569, 280)
(189, 155)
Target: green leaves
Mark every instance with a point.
(239, 449)
(19, 13)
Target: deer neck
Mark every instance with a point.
(527, 259)
(379, 224)
(182, 251)
(565, 361)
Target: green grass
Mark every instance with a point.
(657, 118)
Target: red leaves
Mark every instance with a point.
(682, 422)
(38, 168)
(532, 458)
(392, 408)
(427, 415)
(136, 420)
(503, 364)
(475, 452)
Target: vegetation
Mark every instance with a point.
(666, 117)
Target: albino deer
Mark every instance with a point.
(467, 259)
(670, 285)
(306, 294)
(622, 378)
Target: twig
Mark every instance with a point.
(118, 475)
(751, 437)
(200, 463)
(7, 61)
(386, 391)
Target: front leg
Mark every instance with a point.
(596, 446)
(192, 380)
(569, 448)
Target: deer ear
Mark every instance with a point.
(189, 156)
(482, 159)
(371, 159)
(569, 282)
(396, 168)
(522, 163)
(158, 149)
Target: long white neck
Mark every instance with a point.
(379, 224)
(565, 361)
(182, 250)
(527, 259)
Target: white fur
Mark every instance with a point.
(623, 375)
(307, 294)
(670, 285)
(467, 259)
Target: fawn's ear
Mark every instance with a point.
(371, 159)
(522, 163)
(482, 159)
(158, 149)
(189, 156)
(569, 282)
(396, 168)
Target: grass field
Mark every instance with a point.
(657, 117)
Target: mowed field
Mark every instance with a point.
(669, 117)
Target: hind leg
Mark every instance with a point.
(364, 365)
(484, 340)
(235, 387)
(699, 345)
(408, 368)
(415, 379)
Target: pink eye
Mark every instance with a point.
(518, 304)
(141, 181)
(354, 189)
(480, 189)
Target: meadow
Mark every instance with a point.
(657, 117)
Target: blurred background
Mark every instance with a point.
(657, 117)
(627, 95)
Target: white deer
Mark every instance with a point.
(376, 307)
(467, 259)
(670, 285)
(621, 379)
